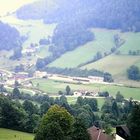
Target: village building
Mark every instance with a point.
(20, 75)
(122, 132)
(85, 93)
(98, 134)
(40, 74)
(77, 93)
(97, 79)
(81, 79)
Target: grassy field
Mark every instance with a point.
(103, 42)
(52, 87)
(117, 65)
(132, 42)
(6, 134)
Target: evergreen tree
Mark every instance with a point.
(134, 123)
(68, 90)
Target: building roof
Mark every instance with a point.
(125, 128)
(98, 134)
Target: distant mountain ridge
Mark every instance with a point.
(112, 14)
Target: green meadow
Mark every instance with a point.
(52, 87)
(103, 42)
(7, 134)
(132, 42)
(117, 65)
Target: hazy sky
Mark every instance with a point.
(11, 5)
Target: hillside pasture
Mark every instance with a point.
(103, 43)
(132, 42)
(117, 65)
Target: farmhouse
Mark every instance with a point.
(122, 132)
(40, 74)
(81, 79)
(20, 75)
(85, 93)
(95, 79)
(98, 134)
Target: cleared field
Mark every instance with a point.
(6, 134)
(52, 87)
(132, 42)
(103, 42)
(117, 65)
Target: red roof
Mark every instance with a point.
(98, 134)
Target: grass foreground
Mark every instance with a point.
(7, 134)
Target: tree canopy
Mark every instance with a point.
(56, 121)
(9, 37)
(134, 123)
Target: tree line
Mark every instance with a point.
(80, 73)
(10, 39)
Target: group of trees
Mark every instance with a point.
(59, 124)
(7, 41)
(69, 121)
(26, 116)
(10, 40)
(74, 72)
(80, 73)
(136, 52)
(14, 115)
(133, 123)
(118, 41)
(133, 73)
(115, 111)
(69, 35)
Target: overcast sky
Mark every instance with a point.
(11, 5)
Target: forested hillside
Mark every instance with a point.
(9, 37)
(123, 14)
(74, 19)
